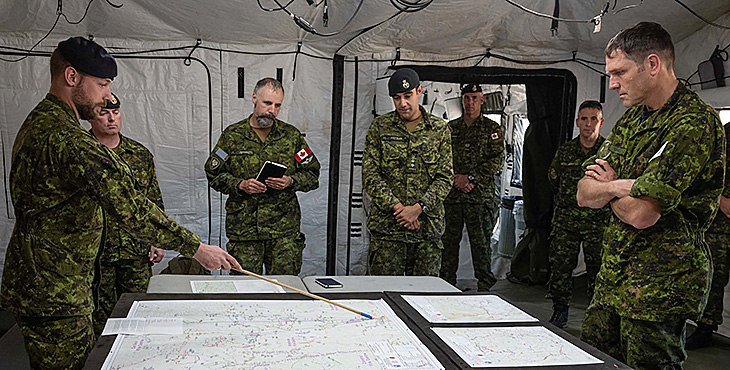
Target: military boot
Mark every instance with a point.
(560, 315)
(701, 337)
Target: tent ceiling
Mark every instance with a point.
(446, 27)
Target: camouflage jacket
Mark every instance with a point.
(721, 224)
(401, 166)
(239, 155)
(565, 171)
(60, 180)
(676, 156)
(478, 151)
(119, 243)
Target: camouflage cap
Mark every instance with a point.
(404, 79)
(470, 88)
(88, 57)
(112, 104)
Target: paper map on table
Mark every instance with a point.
(513, 347)
(272, 334)
(467, 308)
(234, 286)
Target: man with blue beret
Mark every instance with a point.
(407, 171)
(63, 183)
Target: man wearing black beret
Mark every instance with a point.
(478, 147)
(407, 171)
(63, 183)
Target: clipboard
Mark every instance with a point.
(270, 169)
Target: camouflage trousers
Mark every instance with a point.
(563, 256)
(281, 256)
(643, 345)
(57, 342)
(394, 258)
(116, 278)
(479, 219)
(719, 245)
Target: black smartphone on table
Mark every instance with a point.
(328, 283)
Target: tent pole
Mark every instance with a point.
(338, 84)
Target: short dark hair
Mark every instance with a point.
(642, 39)
(590, 104)
(274, 83)
(58, 63)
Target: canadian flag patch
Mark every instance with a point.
(303, 154)
(496, 135)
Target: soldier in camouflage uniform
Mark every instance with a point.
(661, 169)
(718, 238)
(125, 262)
(573, 224)
(262, 218)
(478, 150)
(407, 171)
(62, 182)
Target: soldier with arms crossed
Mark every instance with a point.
(661, 170)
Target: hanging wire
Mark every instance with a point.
(593, 20)
(701, 17)
(410, 6)
(59, 14)
(305, 25)
(275, 9)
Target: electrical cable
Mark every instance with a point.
(641, 2)
(307, 26)
(593, 20)
(701, 17)
(274, 9)
(410, 6)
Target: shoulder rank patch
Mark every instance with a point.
(221, 153)
(495, 135)
(214, 163)
(303, 154)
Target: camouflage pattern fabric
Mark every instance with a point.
(643, 345)
(479, 219)
(57, 343)
(573, 224)
(405, 167)
(566, 169)
(60, 180)
(119, 243)
(677, 156)
(478, 150)
(718, 238)
(281, 256)
(116, 278)
(393, 258)
(719, 244)
(564, 250)
(125, 266)
(239, 155)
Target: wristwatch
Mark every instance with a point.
(470, 178)
(423, 205)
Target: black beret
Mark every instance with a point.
(467, 88)
(88, 57)
(404, 79)
(112, 104)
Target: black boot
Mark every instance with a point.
(560, 315)
(701, 337)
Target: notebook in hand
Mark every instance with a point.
(270, 169)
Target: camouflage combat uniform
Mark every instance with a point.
(401, 166)
(718, 238)
(263, 229)
(478, 150)
(573, 224)
(60, 180)
(125, 263)
(652, 280)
